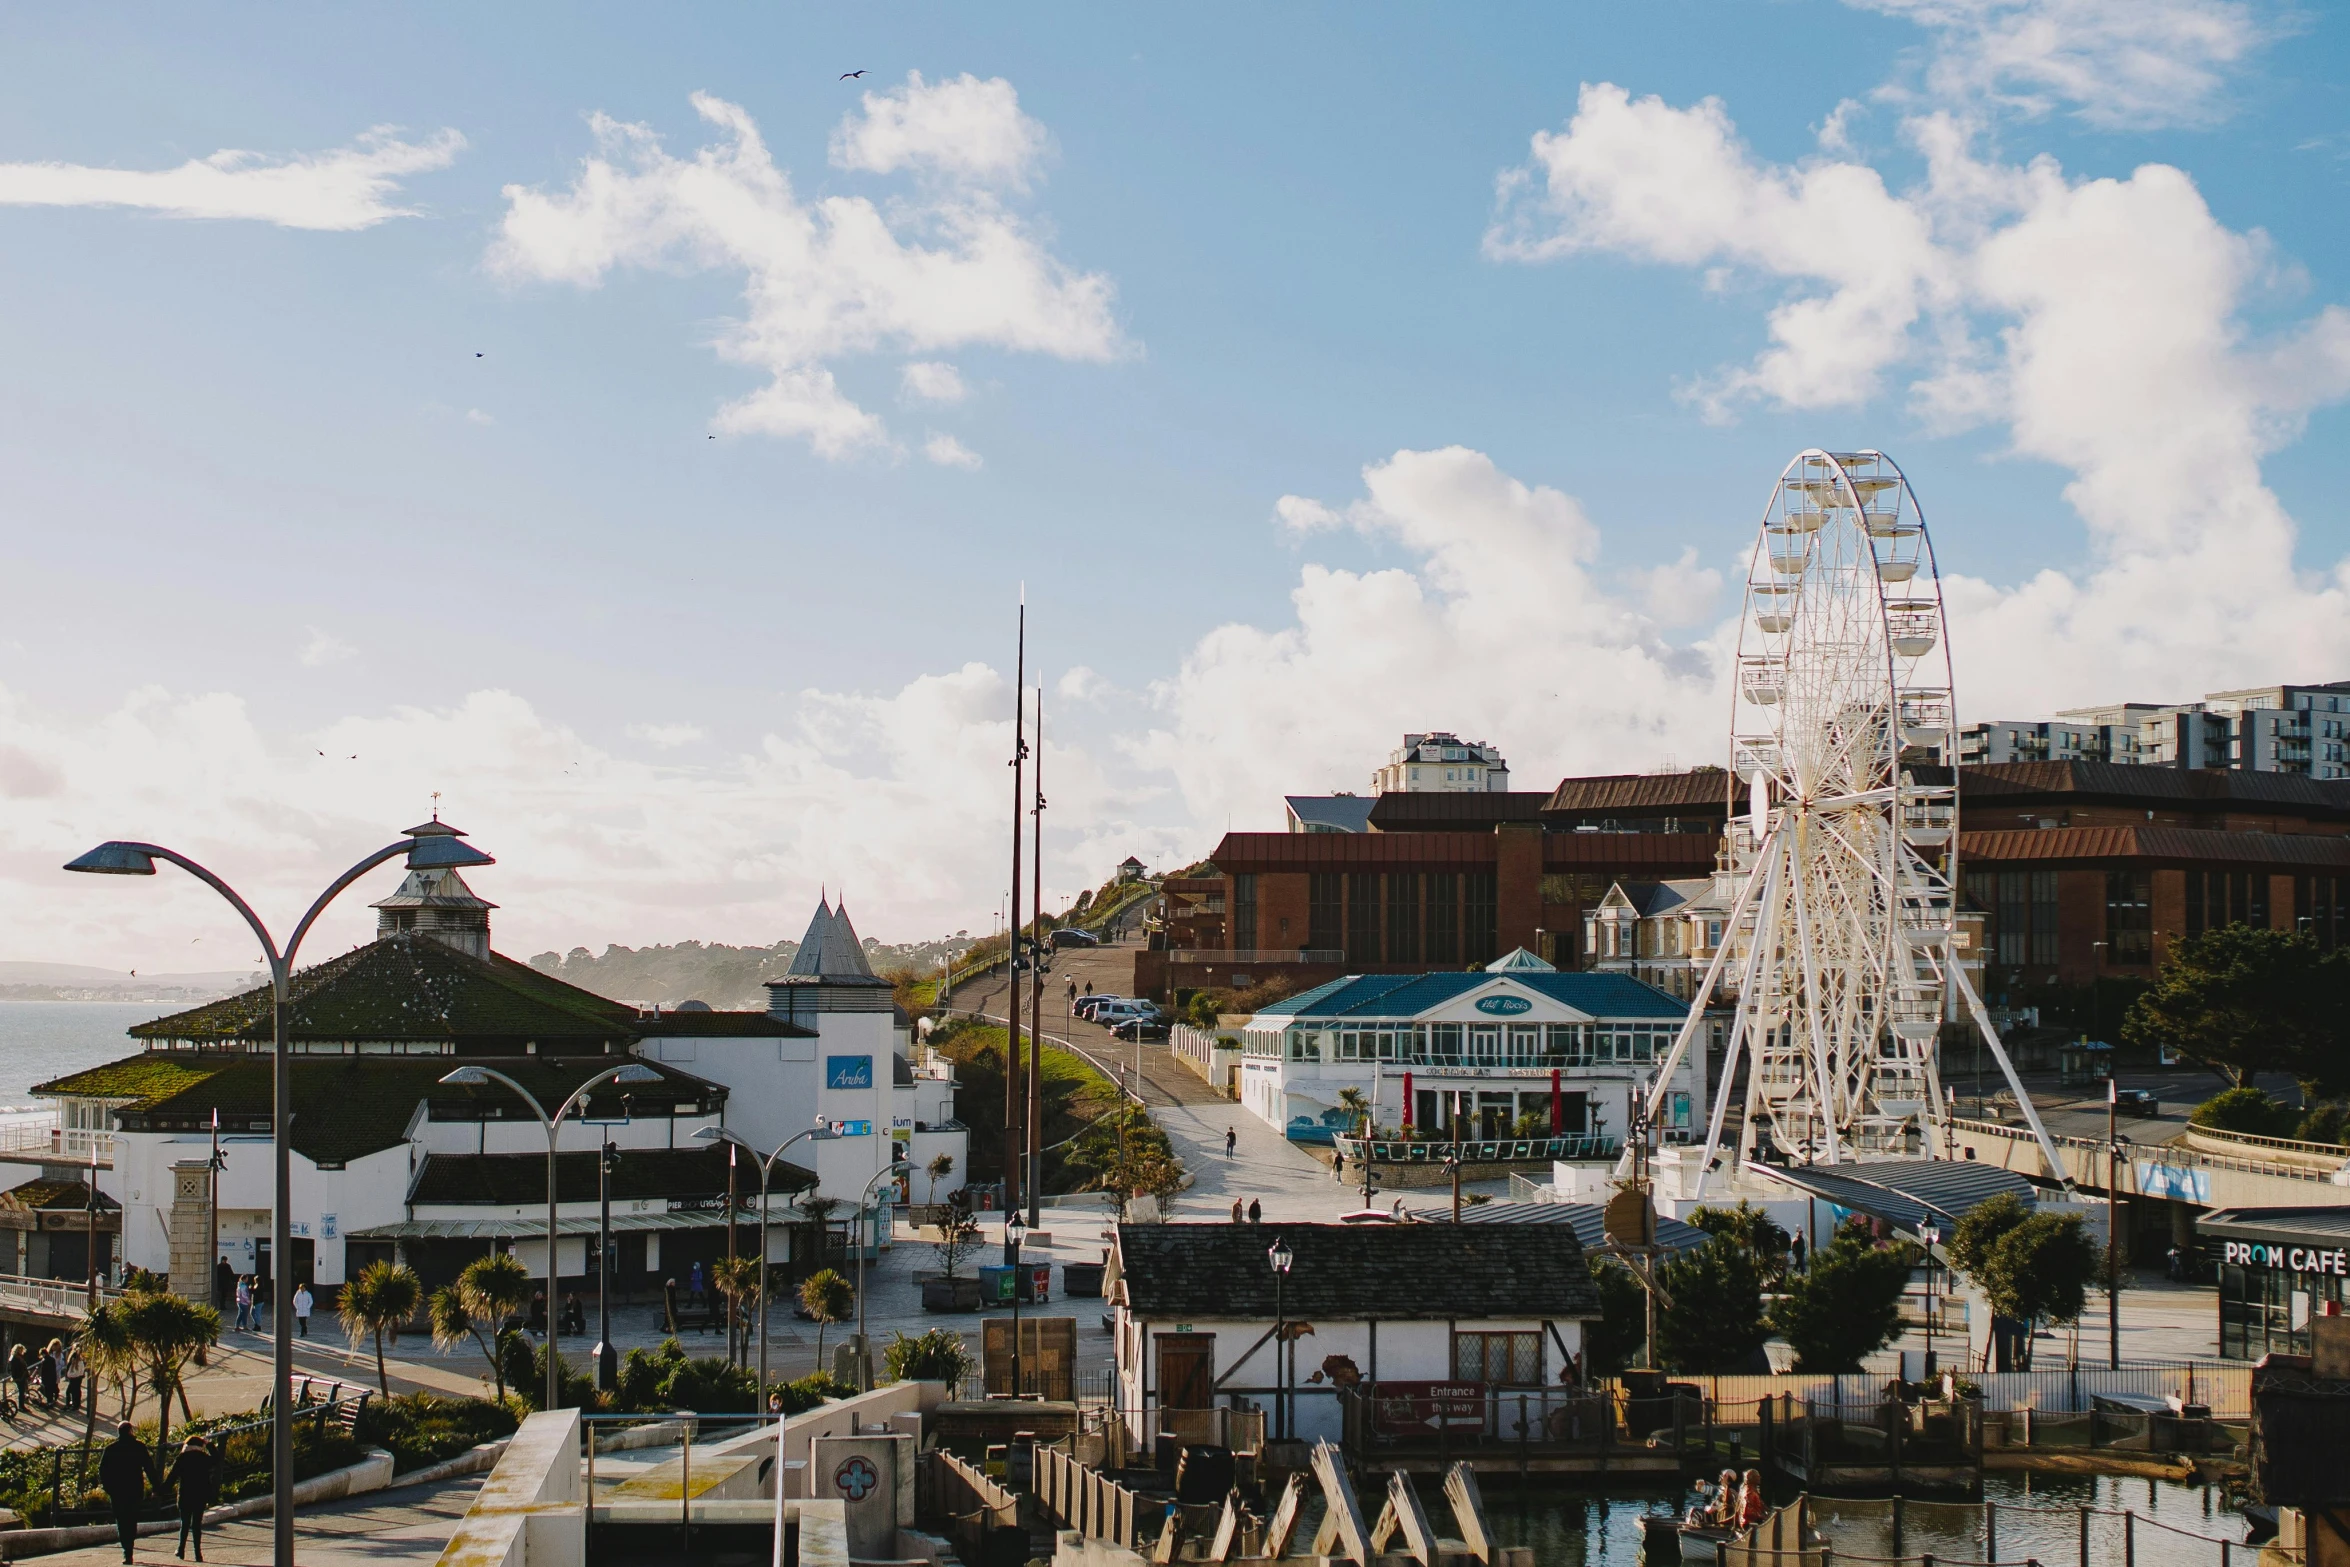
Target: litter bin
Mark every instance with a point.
(997, 1283)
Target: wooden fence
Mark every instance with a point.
(963, 1503)
(1085, 1499)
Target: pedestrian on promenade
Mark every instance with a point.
(1231, 1140)
(303, 1301)
(1338, 1166)
(195, 1480)
(1235, 1210)
(244, 1303)
(122, 1470)
(669, 1305)
(20, 1371)
(693, 1287)
(76, 1373)
(1256, 1213)
(50, 1366)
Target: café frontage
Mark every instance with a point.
(2277, 1269)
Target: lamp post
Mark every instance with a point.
(710, 1134)
(1014, 1228)
(865, 1244)
(606, 1357)
(2113, 1225)
(1932, 1236)
(433, 846)
(475, 1077)
(1280, 1256)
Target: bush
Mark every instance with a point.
(2246, 1110)
(424, 1428)
(1846, 1305)
(939, 1355)
(2325, 1123)
(244, 1456)
(809, 1391)
(668, 1378)
(1715, 1321)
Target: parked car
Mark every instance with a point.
(1089, 1006)
(1141, 1027)
(1070, 936)
(1111, 1017)
(2137, 1101)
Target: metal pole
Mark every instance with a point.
(211, 1210)
(2113, 1226)
(607, 1358)
(1012, 920)
(766, 1167)
(731, 1253)
(1012, 1245)
(554, 1315)
(281, 1284)
(1036, 987)
(1280, 1387)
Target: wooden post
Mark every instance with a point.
(1991, 1532)
(2084, 1537)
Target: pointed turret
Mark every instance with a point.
(829, 973)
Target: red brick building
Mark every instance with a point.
(2082, 869)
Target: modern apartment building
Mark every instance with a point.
(1442, 763)
(2302, 730)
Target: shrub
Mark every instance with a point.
(1846, 1305)
(2247, 1110)
(809, 1391)
(424, 1428)
(1715, 1321)
(939, 1355)
(668, 1378)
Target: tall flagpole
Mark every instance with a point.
(1036, 986)
(1012, 923)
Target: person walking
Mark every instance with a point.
(1338, 1166)
(1236, 1210)
(669, 1305)
(244, 1303)
(303, 1301)
(1256, 1213)
(195, 1480)
(122, 1470)
(48, 1365)
(1231, 1140)
(20, 1371)
(77, 1372)
(693, 1288)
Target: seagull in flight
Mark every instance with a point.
(850, 76)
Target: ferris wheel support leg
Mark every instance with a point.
(1766, 934)
(2007, 1070)
(1713, 1125)
(1824, 1087)
(1694, 1024)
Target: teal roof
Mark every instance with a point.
(1411, 995)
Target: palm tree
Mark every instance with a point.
(938, 1169)
(108, 1352)
(381, 1299)
(826, 1296)
(1351, 1100)
(818, 1210)
(166, 1331)
(486, 1294)
(737, 1278)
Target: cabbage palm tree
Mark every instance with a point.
(489, 1291)
(380, 1300)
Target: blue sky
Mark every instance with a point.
(263, 501)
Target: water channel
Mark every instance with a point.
(2038, 1517)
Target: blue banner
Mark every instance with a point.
(848, 1071)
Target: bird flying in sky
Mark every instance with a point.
(850, 76)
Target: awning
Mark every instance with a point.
(536, 1229)
(1905, 1193)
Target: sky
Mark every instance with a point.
(618, 427)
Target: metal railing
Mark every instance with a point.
(1255, 955)
(51, 1297)
(1503, 1150)
(66, 1143)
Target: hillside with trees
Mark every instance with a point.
(725, 977)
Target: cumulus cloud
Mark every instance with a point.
(666, 736)
(1502, 578)
(347, 188)
(950, 267)
(896, 794)
(928, 381)
(948, 452)
(962, 128)
(324, 648)
(2099, 321)
(2118, 64)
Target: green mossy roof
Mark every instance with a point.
(346, 1107)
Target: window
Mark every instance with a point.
(1326, 911)
(1477, 917)
(2044, 922)
(2129, 917)
(1443, 944)
(2014, 918)
(1566, 1044)
(1484, 1044)
(1244, 912)
(2195, 925)
(1304, 1045)
(1525, 1043)
(1403, 917)
(1444, 1041)
(1512, 1359)
(1362, 919)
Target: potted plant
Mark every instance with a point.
(958, 1238)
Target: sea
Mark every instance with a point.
(40, 1040)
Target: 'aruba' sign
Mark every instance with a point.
(1504, 1006)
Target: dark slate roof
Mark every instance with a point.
(1587, 1221)
(2287, 1225)
(1908, 1192)
(54, 1197)
(1454, 810)
(679, 1174)
(1409, 995)
(409, 987)
(1332, 812)
(346, 1107)
(1702, 789)
(2215, 788)
(710, 1022)
(1354, 1273)
(830, 953)
(2188, 845)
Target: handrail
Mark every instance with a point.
(2166, 1153)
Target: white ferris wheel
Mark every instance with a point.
(1840, 944)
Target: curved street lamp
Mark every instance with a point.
(821, 1132)
(1280, 1256)
(475, 1077)
(864, 1243)
(433, 846)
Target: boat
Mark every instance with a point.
(1665, 1537)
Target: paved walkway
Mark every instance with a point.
(410, 1524)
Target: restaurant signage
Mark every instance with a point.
(1504, 1006)
(2293, 1259)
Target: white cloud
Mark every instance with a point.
(1502, 579)
(2098, 320)
(324, 648)
(928, 381)
(948, 452)
(2119, 64)
(347, 188)
(898, 795)
(666, 736)
(962, 127)
(476, 416)
(951, 268)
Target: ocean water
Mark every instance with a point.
(40, 1040)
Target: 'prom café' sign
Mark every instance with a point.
(2294, 1259)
